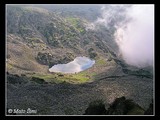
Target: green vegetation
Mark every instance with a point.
(83, 76)
(80, 77)
(50, 78)
(73, 20)
(9, 66)
(34, 40)
(101, 62)
(76, 23)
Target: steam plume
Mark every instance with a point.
(134, 31)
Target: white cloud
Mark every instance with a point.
(135, 31)
(136, 38)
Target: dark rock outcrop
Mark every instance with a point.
(38, 80)
(50, 60)
(96, 108)
(16, 79)
(121, 106)
(117, 107)
(149, 111)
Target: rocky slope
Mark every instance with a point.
(73, 99)
(37, 37)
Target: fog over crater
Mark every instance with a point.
(134, 31)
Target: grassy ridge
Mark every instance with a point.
(81, 77)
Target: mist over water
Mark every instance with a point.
(77, 65)
(134, 31)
